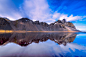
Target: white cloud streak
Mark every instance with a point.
(60, 16)
(8, 9)
(35, 10)
(81, 28)
(48, 48)
(39, 10)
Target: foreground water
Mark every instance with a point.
(43, 44)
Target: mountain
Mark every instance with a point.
(4, 24)
(29, 25)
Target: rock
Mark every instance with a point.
(52, 23)
(69, 24)
(44, 23)
(59, 21)
(36, 22)
(63, 21)
(24, 19)
(4, 24)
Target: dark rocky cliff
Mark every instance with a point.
(28, 25)
(4, 24)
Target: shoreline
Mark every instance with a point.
(21, 31)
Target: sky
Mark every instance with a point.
(46, 10)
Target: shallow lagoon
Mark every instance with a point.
(43, 44)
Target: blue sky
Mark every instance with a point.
(46, 10)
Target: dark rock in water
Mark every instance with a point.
(29, 25)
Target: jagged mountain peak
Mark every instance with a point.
(5, 24)
(60, 21)
(23, 19)
(29, 25)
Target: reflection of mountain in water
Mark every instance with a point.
(25, 39)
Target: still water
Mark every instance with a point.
(43, 44)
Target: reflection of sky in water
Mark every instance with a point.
(48, 48)
(80, 39)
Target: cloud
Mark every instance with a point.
(81, 28)
(37, 10)
(9, 10)
(71, 17)
(49, 48)
(56, 15)
(62, 16)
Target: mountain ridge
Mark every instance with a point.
(29, 25)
